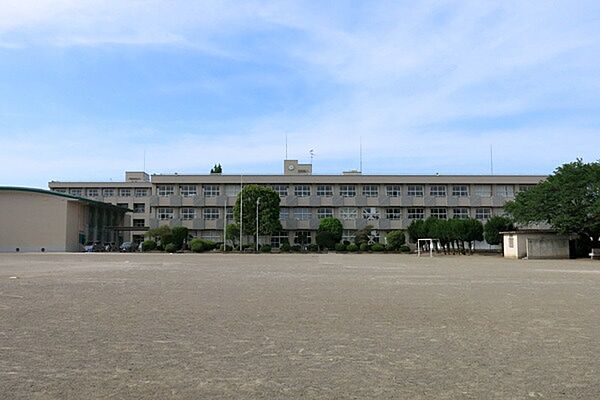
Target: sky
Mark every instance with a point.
(89, 89)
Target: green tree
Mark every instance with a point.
(493, 227)
(333, 226)
(415, 230)
(180, 236)
(568, 200)
(395, 240)
(162, 235)
(268, 210)
(474, 231)
(233, 234)
(362, 235)
(326, 240)
(217, 169)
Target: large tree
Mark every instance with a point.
(494, 226)
(268, 210)
(568, 200)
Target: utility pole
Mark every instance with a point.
(257, 204)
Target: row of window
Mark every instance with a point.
(304, 190)
(345, 213)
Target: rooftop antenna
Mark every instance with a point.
(491, 160)
(360, 155)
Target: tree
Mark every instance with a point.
(494, 226)
(233, 233)
(268, 210)
(326, 240)
(362, 235)
(395, 240)
(217, 169)
(473, 231)
(568, 200)
(415, 230)
(333, 226)
(180, 235)
(162, 234)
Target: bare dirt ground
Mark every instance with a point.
(115, 326)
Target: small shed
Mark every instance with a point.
(536, 244)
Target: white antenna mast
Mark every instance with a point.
(360, 156)
(312, 155)
(491, 160)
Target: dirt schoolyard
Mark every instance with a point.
(332, 326)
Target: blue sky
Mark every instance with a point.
(88, 86)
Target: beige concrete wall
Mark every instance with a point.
(77, 222)
(547, 247)
(32, 221)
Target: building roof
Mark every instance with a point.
(68, 196)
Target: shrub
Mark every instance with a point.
(224, 247)
(171, 248)
(196, 245)
(148, 245)
(334, 227)
(352, 247)
(340, 247)
(377, 247)
(404, 248)
(362, 235)
(395, 239)
(312, 248)
(285, 247)
(296, 248)
(326, 240)
(364, 247)
(265, 248)
(179, 235)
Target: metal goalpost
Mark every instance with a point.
(430, 241)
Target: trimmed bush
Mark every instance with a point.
(312, 248)
(340, 247)
(196, 245)
(395, 239)
(171, 248)
(364, 247)
(226, 247)
(352, 247)
(296, 248)
(377, 247)
(285, 247)
(265, 248)
(148, 245)
(326, 240)
(405, 249)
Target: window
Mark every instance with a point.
(415, 213)
(93, 193)
(348, 213)
(483, 190)
(437, 191)
(108, 192)
(483, 213)
(347, 190)
(211, 190)
(324, 190)
(60, 190)
(213, 236)
(164, 213)
(76, 192)
(232, 190)
(460, 190)
(439, 213)
(370, 190)
(138, 223)
(282, 190)
(393, 213)
(140, 192)
(211, 213)
(324, 212)
(302, 190)
(460, 213)
(165, 190)
(139, 208)
(370, 213)
(302, 238)
(348, 235)
(123, 205)
(415, 190)
(524, 188)
(284, 214)
(302, 214)
(229, 213)
(393, 190)
(124, 192)
(188, 190)
(511, 242)
(505, 190)
(278, 239)
(188, 213)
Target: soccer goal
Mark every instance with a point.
(430, 242)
